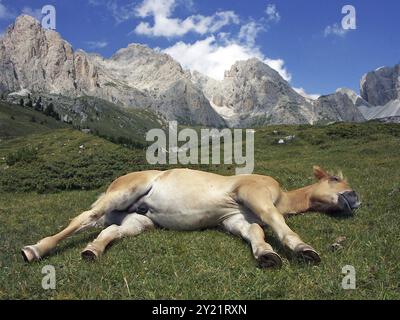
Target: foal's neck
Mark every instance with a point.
(295, 201)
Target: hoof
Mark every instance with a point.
(269, 259)
(307, 253)
(30, 254)
(90, 253)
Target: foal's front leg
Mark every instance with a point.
(258, 199)
(254, 234)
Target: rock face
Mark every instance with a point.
(251, 93)
(389, 110)
(136, 77)
(381, 86)
(341, 105)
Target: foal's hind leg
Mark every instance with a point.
(254, 234)
(107, 203)
(132, 225)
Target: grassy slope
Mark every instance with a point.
(102, 117)
(113, 121)
(210, 264)
(17, 121)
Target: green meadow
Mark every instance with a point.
(50, 172)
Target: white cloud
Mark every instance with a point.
(96, 44)
(36, 13)
(5, 13)
(166, 26)
(335, 30)
(119, 13)
(312, 96)
(212, 56)
(272, 14)
(155, 7)
(278, 65)
(248, 32)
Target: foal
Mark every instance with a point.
(183, 199)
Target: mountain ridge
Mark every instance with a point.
(381, 88)
(41, 61)
(138, 77)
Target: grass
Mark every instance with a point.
(17, 121)
(101, 117)
(205, 264)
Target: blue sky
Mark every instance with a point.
(303, 40)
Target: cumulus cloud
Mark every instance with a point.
(335, 30)
(96, 44)
(272, 13)
(213, 56)
(121, 13)
(164, 25)
(248, 32)
(312, 96)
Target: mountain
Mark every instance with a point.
(341, 105)
(381, 88)
(252, 93)
(40, 60)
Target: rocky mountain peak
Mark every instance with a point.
(251, 68)
(381, 86)
(341, 105)
(138, 55)
(381, 89)
(25, 20)
(41, 61)
(251, 93)
(132, 52)
(356, 99)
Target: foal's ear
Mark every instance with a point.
(320, 173)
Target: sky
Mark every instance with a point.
(302, 39)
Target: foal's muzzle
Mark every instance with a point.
(348, 201)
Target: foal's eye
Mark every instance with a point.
(334, 179)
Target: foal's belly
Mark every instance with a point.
(178, 215)
(188, 222)
(189, 204)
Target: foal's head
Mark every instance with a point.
(332, 193)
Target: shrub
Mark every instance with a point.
(27, 155)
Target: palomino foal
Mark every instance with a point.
(183, 199)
